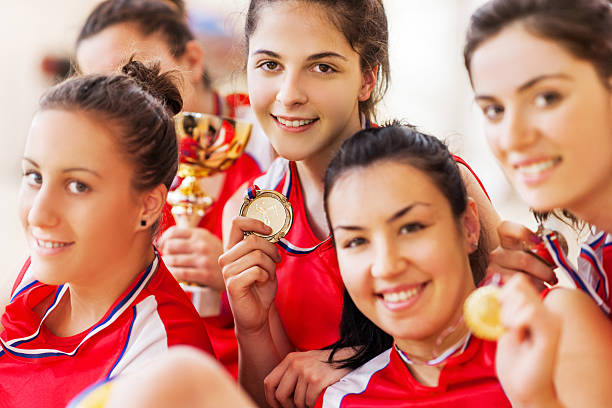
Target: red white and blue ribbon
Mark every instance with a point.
(589, 277)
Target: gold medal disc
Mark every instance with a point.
(271, 208)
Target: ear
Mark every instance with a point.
(368, 82)
(152, 205)
(471, 225)
(193, 61)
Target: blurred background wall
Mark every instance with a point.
(429, 86)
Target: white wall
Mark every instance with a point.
(429, 86)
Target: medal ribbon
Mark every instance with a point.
(553, 246)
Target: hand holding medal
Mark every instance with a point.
(269, 207)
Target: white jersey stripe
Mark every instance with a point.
(147, 338)
(356, 381)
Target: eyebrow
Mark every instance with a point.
(68, 170)
(529, 84)
(313, 57)
(394, 217)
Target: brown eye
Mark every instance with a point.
(493, 112)
(78, 187)
(547, 99)
(33, 178)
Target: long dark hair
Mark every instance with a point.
(403, 144)
(364, 25)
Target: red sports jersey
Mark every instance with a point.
(39, 369)
(467, 379)
(310, 288)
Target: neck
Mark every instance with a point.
(425, 350)
(597, 209)
(87, 301)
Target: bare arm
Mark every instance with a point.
(249, 270)
(582, 375)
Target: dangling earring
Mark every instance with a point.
(474, 246)
(143, 223)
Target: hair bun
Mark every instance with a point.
(159, 85)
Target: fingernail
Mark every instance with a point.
(555, 280)
(268, 229)
(534, 238)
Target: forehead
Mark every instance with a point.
(61, 137)
(514, 56)
(107, 50)
(374, 193)
(296, 27)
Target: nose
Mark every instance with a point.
(517, 132)
(291, 91)
(388, 260)
(41, 207)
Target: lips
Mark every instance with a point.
(294, 122)
(533, 167)
(402, 295)
(45, 244)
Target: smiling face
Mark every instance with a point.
(77, 206)
(305, 80)
(403, 256)
(548, 120)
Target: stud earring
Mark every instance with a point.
(143, 223)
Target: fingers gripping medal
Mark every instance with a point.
(541, 251)
(269, 207)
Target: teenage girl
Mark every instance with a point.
(315, 71)
(152, 29)
(548, 120)
(94, 300)
(408, 259)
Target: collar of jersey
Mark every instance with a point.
(123, 303)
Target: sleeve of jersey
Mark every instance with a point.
(182, 324)
(459, 160)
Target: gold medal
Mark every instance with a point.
(482, 313)
(271, 208)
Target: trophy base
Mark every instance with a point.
(206, 301)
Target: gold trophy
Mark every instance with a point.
(208, 144)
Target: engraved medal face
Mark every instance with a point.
(271, 208)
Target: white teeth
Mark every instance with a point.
(535, 168)
(400, 296)
(50, 244)
(294, 123)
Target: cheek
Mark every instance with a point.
(261, 90)
(354, 276)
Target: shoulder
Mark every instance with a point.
(166, 312)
